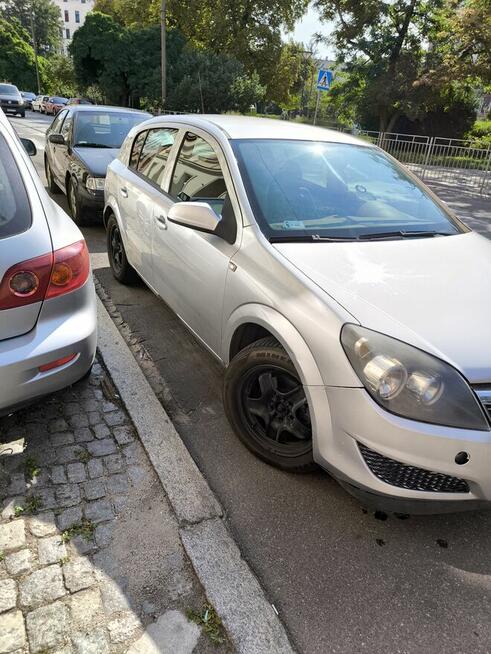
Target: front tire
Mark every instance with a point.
(52, 185)
(266, 405)
(78, 211)
(122, 270)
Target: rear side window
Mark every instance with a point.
(15, 211)
(154, 154)
(136, 149)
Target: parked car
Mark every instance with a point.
(11, 100)
(72, 101)
(346, 302)
(39, 102)
(54, 105)
(80, 143)
(47, 298)
(28, 98)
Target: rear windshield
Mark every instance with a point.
(8, 89)
(15, 212)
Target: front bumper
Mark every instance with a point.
(66, 325)
(12, 108)
(93, 200)
(354, 419)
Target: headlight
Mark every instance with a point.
(95, 183)
(411, 383)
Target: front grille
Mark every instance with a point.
(409, 477)
(484, 395)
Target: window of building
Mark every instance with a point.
(77, 17)
(67, 16)
(67, 33)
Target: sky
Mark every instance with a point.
(309, 25)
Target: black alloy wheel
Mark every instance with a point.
(120, 267)
(266, 404)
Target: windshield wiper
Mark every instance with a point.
(92, 145)
(315, 238)
(401, 234)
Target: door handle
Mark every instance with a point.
(162, 222)
(124, 192)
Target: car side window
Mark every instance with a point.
(155, 152)
(136, 149)
(56, 126)
(66, 129)
(199, 177)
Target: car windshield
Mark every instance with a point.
(8, 89)
(104, 129)
(28, 95)
(318, 191)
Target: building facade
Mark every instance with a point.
(73, 13)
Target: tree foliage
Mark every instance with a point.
(46, 18)
(17, 60)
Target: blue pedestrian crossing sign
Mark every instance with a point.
(324, 80)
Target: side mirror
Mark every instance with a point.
(197, 215)
(57, 139)
(29, 147)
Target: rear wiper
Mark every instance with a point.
(401, 234)
(315, 238)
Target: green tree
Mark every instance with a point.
(46, 17)
(17, 60)
(247, 91)
(59, 76)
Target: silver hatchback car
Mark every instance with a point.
(347, 303)
(48, 314)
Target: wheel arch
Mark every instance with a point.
(252, 322)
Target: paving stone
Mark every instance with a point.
(133, 452)
(78, 574)
(48, 627)
(76, 472)
(8, 594)
(58, 475)
(47, 500)
(8, 511)
(69, 517)
(102, 447)
(90, 404)
(71, 408)
(115, 418)
(86, 608)
(123, 435)
(171, 634)
(103, 534)
(62, 438)
(137, 474)
(17, 485)
(117, 484)
(67, 495)
(19, 563)
(99, 511)
(94, 489)
(51, 550)
(113, 596)
(101, 431)
(42, 586)
(78, 420)
(58, 425)
(12, 633)
(12, 535)
(120, 503)
(95, 469)
(69, 453)
(90, 642)
(43, 524)
(81, 545)
(114, 463)
(94, 418)
(83, 435)
(108, 406)
(123, 628)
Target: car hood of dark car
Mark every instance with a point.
(96, 160)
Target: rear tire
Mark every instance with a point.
(266, 405)
(122, 270)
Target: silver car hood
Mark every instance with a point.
(434, 293)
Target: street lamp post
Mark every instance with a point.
(162, 52)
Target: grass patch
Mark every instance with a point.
(32, 505)
(31, 468)
(84, 456)
(210, 623)
(2, 556)
(85, 528)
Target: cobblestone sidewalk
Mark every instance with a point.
(90, 557)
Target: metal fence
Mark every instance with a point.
(439, 159)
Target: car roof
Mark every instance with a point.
(101, 107)
(248, 127)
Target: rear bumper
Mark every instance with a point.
(345, 418)
(66, 325)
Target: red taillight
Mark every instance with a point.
(45, 277)
(57, 363)
(70, 269)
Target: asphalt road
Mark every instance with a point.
(342, 579)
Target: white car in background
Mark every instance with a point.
(349, 305)
(48, 313)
